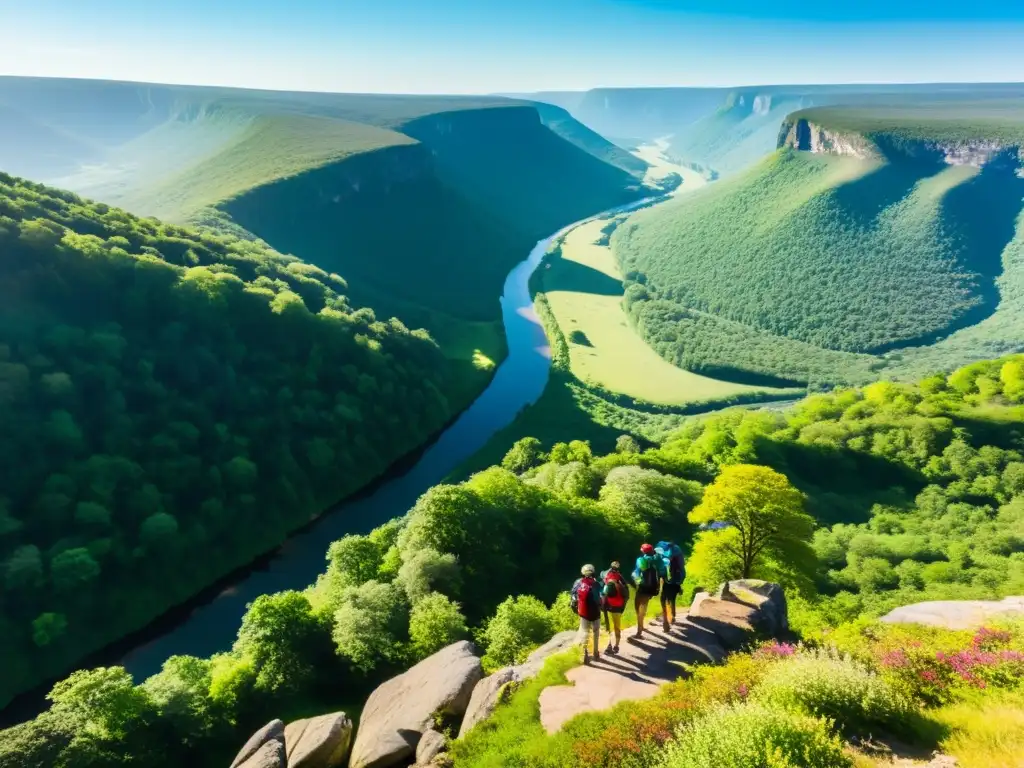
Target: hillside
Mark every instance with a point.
(893, 494)
(424, 226)
(729, 129)
(166, 396)
(817, 265)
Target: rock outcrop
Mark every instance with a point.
(955, 614)
(490, 691)
(807, 136)
(772, 617)
(400, 711)
(432, 744)
(264, 749)
(318, 742)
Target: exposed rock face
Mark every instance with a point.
(733, 623)
(400, 711)
(955, 614)
(490, 691)
(318, 742)
(269, 755)
(431, 745)
(272, 732)
(769, 598)
(806, 136)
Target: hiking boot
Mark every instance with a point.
(597, 656)
(616, 649)
(610, 650)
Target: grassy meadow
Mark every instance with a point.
(584, 291)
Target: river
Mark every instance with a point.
(519, 381)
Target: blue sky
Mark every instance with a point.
(481, 46)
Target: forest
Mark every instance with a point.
(169, 395)
(897, 492)
(811, 269)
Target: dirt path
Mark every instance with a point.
(636, 672)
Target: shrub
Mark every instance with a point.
(823, 684)
(519, 624)
(632, 733)
(750, 736)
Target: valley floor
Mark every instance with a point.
(584, 291)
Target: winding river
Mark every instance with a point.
(519, 381)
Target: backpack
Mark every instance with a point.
(649, 579)
(616, 587)
(676, 566)
(587, 600)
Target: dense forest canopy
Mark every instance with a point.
(914, 491)
(814, 268)
(168, 394)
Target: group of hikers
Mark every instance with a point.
(659, 570)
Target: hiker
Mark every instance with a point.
(649, 571)
(675, 572)
(585, 600)
(614, 597)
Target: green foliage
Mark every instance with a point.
(524, 454)
(839, 689)
(435, 622)
(766, 520)
(776, 307)
(517, 627)
(166, 391)
(285, 641)
(749, 736)
(371, 625)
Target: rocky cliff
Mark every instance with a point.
(808, 136)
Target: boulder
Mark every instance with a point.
(272, 731)
(490, 691)
(487, 694)
(318, 742)
(530, 668)
(732, 622)
(768, 597)
(270, 754)
(431, 745)
(955, 614)
(401, 710)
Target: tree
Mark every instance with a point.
(104, 701)
(524, 454)
(181, 693)
(627, 444)
(425, 570)
(24, 568)
(766, 514)
(435, 622)
(73, 568)
(285, 640)
(48, 627)
(354, 560)
(158, 530)
(370, 624)
(519, 624)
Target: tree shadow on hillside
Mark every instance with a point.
(864, 199)
(841, 485)
(567, 275)
(983, 213)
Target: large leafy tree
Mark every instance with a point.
(764, 522)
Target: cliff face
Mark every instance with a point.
(807, 136)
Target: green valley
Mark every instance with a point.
(850, 253)
(911, 492)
